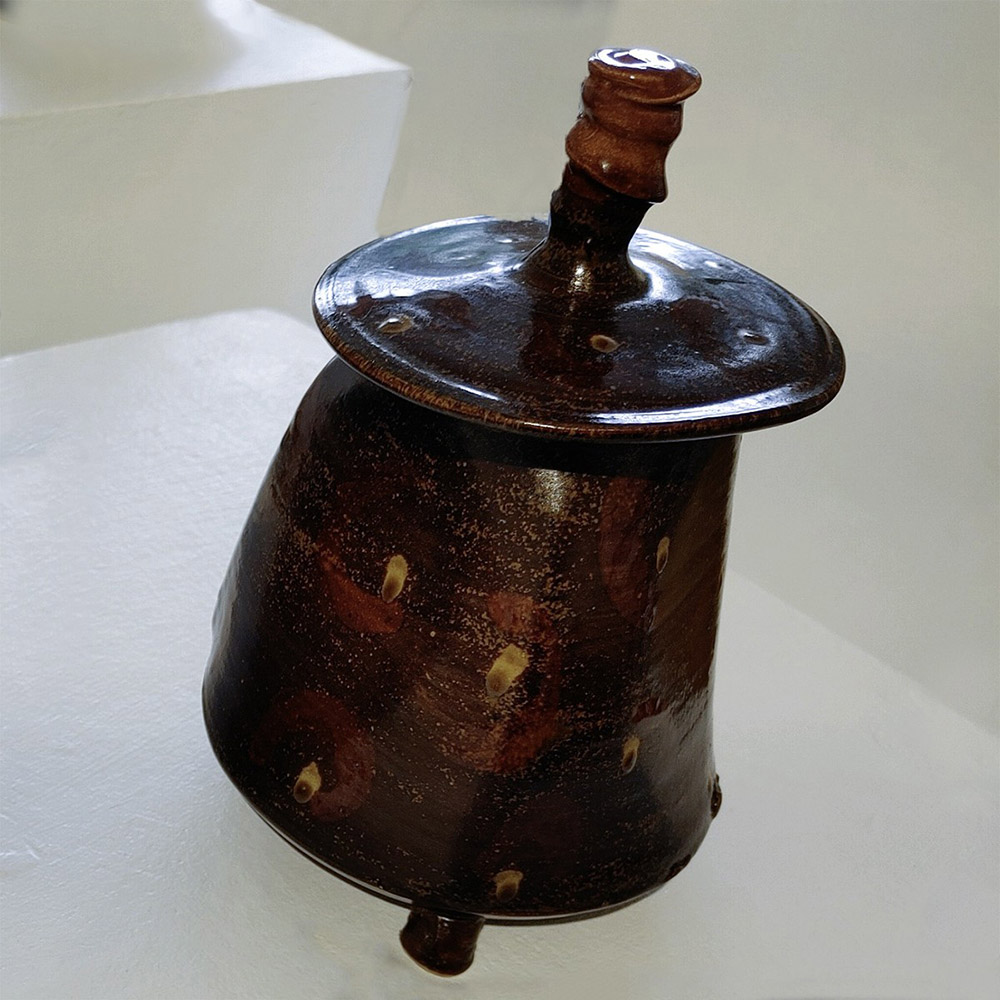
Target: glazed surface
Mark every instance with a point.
(663, 340)
(471, 669)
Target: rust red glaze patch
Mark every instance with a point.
(355, 607)
(520, 615)
(623, 549)
(338, 738)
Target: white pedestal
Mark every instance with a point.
(855, 854)
(171, 159)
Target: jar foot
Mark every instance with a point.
(441, 943)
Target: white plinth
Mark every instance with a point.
(855, 854)
(170, 159)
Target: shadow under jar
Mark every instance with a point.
(463, 655)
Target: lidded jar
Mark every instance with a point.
(463, 655)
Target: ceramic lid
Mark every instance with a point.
(585, 326)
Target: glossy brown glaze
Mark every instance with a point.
(446, 653)
(442, 943)
(463, 655)
(586, 327)
(710, 348)
(632, 113)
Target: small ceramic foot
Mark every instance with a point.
(441, 944)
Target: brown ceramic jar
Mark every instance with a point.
(463, 655)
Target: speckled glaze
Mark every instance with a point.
(433, 623)
(463, 655)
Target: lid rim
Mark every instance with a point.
(631, 432)
(795, 376)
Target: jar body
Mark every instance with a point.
(471, 670)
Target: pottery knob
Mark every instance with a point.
(631, 115)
